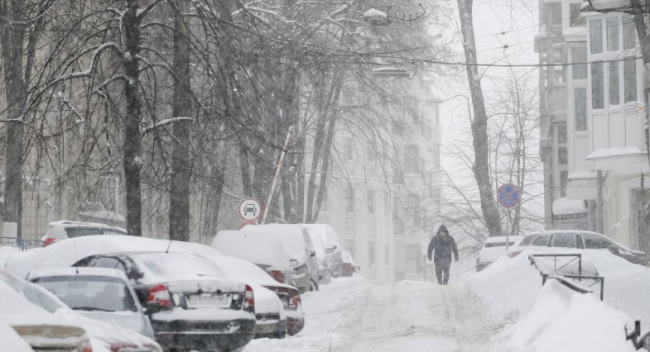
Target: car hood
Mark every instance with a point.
(128, 320)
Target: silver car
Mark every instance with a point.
(97, 293)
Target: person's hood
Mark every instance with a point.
(443, 228)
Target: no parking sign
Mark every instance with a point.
(508, 195)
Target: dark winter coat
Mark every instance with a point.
(442, 247)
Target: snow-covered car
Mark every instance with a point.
(30, 309)
(575, 239)
(98, 293)
(298, 245)
(189, 304)
(349, 267)
(333, 252)
(11, 340)
(66, 253)
(493, 248)
(63, 230)
(324, 274)
(260, 249)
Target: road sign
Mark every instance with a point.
(508, 195)
(250, 209)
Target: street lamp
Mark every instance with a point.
(376, 18)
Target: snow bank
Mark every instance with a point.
(11, 340)
(508, 287)
(329, 314)
(6, 253)
(562, 319)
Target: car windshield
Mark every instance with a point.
(90, 293)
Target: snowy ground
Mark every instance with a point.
(355, 315)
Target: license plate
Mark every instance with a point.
(209, 300)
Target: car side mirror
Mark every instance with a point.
(614, 250)
(293, 262)
(312, 254)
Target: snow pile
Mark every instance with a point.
(508, 287)
(329, 314)
(11, 340)
(564, 206)
(5, 253)
(562, 319)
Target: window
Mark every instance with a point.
(595, 242)
(554, 13)
(411, 160)
(371, 253)
(412, 256)
(386, 255)
(349, 200)
(110, 263)
(596, 36)
(564, 179)
(82, 231)
(561, 133)
(565, 240)
(540, 241)
(347, 149)
(580, 108)
(562, 155)
(629, 32)
(412, 210)
(575, 20)
(90, 293)
(349, 247)
(597, 86)
(629, 79)
(612, 34)
(614, 91)
(579, 55)
(370, 195)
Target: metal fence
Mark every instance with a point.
(20, 243)
(568, 280)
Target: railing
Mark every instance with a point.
(20, 243)
(564, 278)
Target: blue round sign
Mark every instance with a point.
(508, 195)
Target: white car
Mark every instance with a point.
(574, 239)
(63, 230)
(324, 273)
(299, 247)
(29, 308)
(260, 249)
(333, 251)
(96, 293)
(493, 248)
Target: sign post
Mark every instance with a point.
(508, 196)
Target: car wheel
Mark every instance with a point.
(280, 335)
(313, 285)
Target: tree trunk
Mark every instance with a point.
(179, 190)
(479, 123)
(12, 52)
(132, 135)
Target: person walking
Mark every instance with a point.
(442, 245)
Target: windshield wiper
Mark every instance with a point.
(93, 308)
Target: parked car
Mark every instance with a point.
(63, 230)
(349, 267)
(493, 248)
(576, 239)
(333, 253)
(96, 293)
(260, 249)
(10, 337)
(34, 309)
(66, 253)
(189, 305)
(299, 247)
(324, 273)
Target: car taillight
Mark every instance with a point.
(48, 241)
(86, 347)
(159, 294)
(295, 301)
(278, 276)
(249, 299)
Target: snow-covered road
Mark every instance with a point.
(354, 315)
